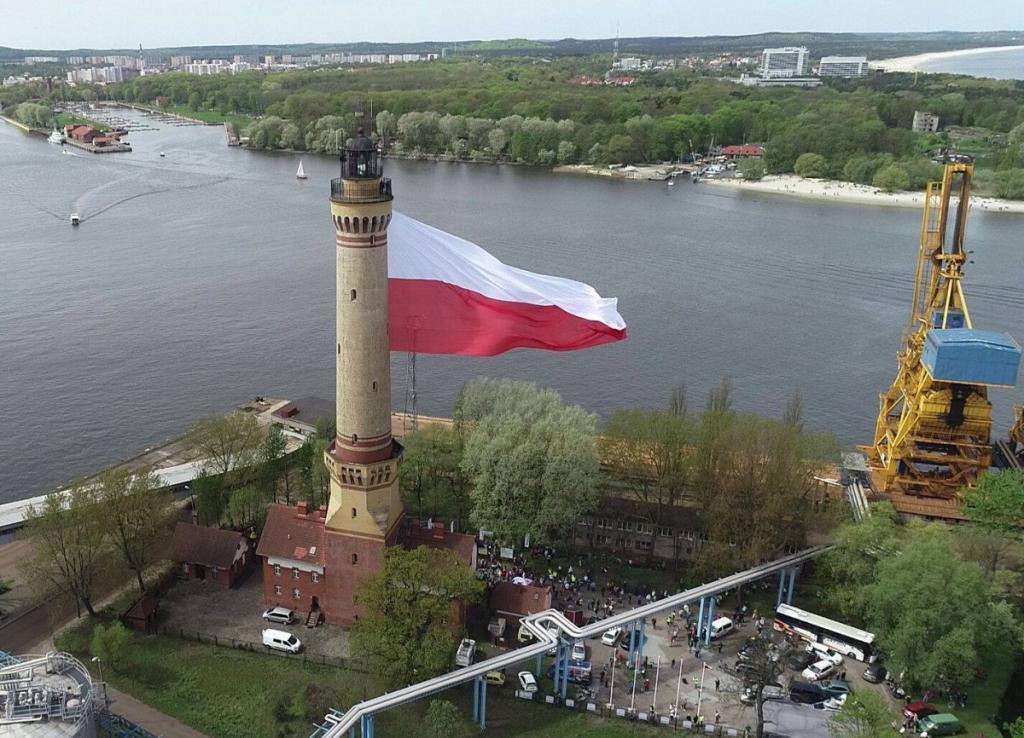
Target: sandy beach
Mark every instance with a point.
(913, 63)
(849, 192)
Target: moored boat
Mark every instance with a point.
(301, 174)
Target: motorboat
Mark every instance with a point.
(162, 155)
(301, 174)
(56, 137)
(75, 219)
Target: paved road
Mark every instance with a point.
(796, 721)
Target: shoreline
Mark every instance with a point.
(791, 185)
(914, 62)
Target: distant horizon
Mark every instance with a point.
(538, 39)
(124, 24)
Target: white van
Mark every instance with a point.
(466, 652)
(720, 626)
(281, 641)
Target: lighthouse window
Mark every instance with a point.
(353, 512)
(355, 559)
(352, 295)
(374, 386)
(339, 349)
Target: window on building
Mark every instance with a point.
(184, 568)
(295, 573)
(353, 512)
(315, 577)
(663, 531)
(355, 559)
(352, 295)
(277, 589)
(620, 542)
(277, 570)
(603, 540)
(296, 594)
(643, 544)
(214, 573)
(644, 528)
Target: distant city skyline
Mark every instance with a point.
(125, 24)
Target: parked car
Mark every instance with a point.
(824, 653)
(941, 723)
(279, 640)
(832, 704)
(466, 652)
(747, 670)
(874, 674)
(918, 710)
(496, 678)
(525, 635)
(801, 660)
(834, 687)
(611, 636)
(805, 693)
(818, 671)
(527, 682)
(770, 692)
(579, 651)
(721, 626)
(281, 615)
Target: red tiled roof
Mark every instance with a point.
(461, 544)
(289, 534)
(195, 544)
(519, 599)
(742, 150)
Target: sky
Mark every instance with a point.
(67, 24)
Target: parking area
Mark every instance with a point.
(235, 614)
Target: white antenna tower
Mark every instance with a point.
(615, 46)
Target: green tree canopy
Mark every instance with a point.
(891, 178)
(404, 630)
(865, 714)
(810, 165)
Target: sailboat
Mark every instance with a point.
(300, 174)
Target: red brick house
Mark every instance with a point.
(210, 554)
(515, 601)
(308, 567)
(85, 134)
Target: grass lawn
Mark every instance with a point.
(984, 695)
(62, 119)
(229, 693)
(211, 116)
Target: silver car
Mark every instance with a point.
(279, 615)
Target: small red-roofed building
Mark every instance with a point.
(742, 151)
(210, 554)
(515, 601)
(292, 548)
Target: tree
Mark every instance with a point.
(865, 714)
(891, 178)
(497, 140)
(443, 717)
(291, 137)
(318, 477)
(67, 543)
(403, 631)
(112, 645)
(1015, 729)
(135, 512)
(566, 152)
(622, 149)
(650, 450)
(996, 505)
(752, 168)
(938, 641)
(431, 466)
(247, 507)
(860, 547)
(765, 665)
(532, 460)
(228, 444)
(387, 125)
(209, 498)
(274, 461)
(810, 165)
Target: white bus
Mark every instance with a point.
(845, 639)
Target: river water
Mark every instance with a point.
(202, 279)
(1004, 64)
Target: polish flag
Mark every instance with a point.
(449, 296)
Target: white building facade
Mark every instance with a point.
(786, 61)
(843, 66)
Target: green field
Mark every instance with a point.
(229, 693)
(210, 116)
(62, 119)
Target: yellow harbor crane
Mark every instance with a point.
(933, 433)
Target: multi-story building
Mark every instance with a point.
(925, 122)
(629, 63)
(204, 67)
(42, 59)
(785, 61)
(74, 60)
(843, 66)
(629, 527)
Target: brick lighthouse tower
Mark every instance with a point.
(365, 510)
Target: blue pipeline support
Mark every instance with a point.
(782, 586)
(711, 618)
(352, 732)
(536, 670)
(700, 617)
(565, 670)
(483, 702)
(632, 643)
(366, 726)
(476, 699)
(643, 640)
(792, 586)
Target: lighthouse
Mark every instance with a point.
(365, 510)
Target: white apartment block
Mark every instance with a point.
(786, 61)
(843, 66)
(925, 122)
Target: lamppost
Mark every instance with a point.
(99, 662)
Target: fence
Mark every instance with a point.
(238, 644)
(117, 726)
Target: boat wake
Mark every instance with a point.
(88, 213)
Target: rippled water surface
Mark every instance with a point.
(201, 279)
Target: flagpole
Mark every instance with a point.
(679, 682)
(657, 672)
(700, 688)
(611, 683)
(632, 699)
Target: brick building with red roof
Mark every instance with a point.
(210, 554)
(741, 151)
(515, 601)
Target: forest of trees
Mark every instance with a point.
(529, 111)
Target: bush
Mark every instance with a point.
(113, 646)
(443, 718)
(810, 165)
(1010, 184)
(892, 178)
(752, 169)
(319, 699)
(862, 168)
(73, 642)
(282, 709)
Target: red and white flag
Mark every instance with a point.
(449, 296)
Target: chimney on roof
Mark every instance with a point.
(323, 512)
(303, 507)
